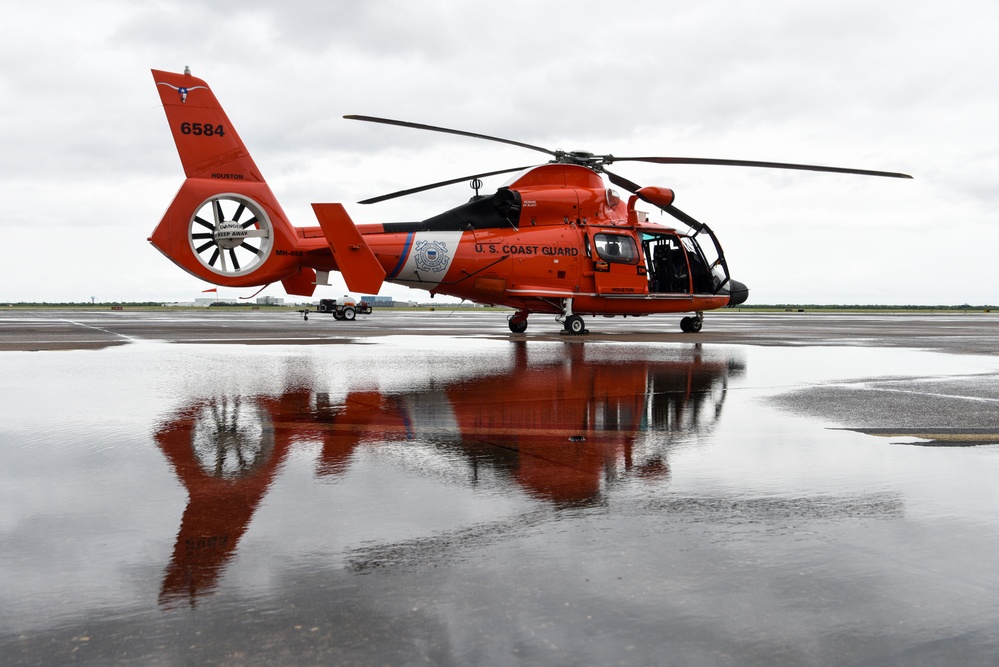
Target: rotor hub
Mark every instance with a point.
(581, 158)
(229, 234)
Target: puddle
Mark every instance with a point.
(457, 501)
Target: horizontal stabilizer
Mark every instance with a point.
(360, 268)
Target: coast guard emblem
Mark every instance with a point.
(431, 256)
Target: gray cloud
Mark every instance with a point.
(898, 85)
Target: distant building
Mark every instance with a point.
(270, 301)
(379, 301)
(208, 301)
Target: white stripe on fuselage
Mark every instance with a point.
(430, 257)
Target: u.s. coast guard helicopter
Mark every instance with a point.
(555, 240)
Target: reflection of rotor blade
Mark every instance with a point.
(684, 218)
(431, 186)
(755, 163)
(434, 128)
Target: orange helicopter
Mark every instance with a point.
(556, 239)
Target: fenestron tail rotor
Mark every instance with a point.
(231, 234)
(597, 162)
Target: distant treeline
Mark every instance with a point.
(80, 304)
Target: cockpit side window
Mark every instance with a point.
(616, 248)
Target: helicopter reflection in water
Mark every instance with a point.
(558, 429)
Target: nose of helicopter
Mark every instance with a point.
(738, 293)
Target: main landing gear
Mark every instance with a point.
(692, 324)
(572, 324)
(575, 326)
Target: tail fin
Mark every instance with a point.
(224, 226)
(208, 144)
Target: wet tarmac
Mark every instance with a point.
(426, 488)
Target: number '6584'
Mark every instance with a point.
(202, 129)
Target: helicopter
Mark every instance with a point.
(555, 239)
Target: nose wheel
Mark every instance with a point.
(692, 324)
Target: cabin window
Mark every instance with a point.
(616, 248)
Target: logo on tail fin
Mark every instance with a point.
(182, 91)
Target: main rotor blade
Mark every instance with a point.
(622, 182)
(446, 130)
(756, 163)
(684, 218)
(431, 186)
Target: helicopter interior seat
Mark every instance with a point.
(678, 271)
(661, 273)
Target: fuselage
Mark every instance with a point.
(555, 232)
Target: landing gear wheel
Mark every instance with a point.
(518, 326)
(574, 325)
(691, 324)
(349, 314)
(230, 235)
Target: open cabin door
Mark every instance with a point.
(678, 264)
(617, 261)
(666, 259)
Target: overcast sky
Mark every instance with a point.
(89, 167)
